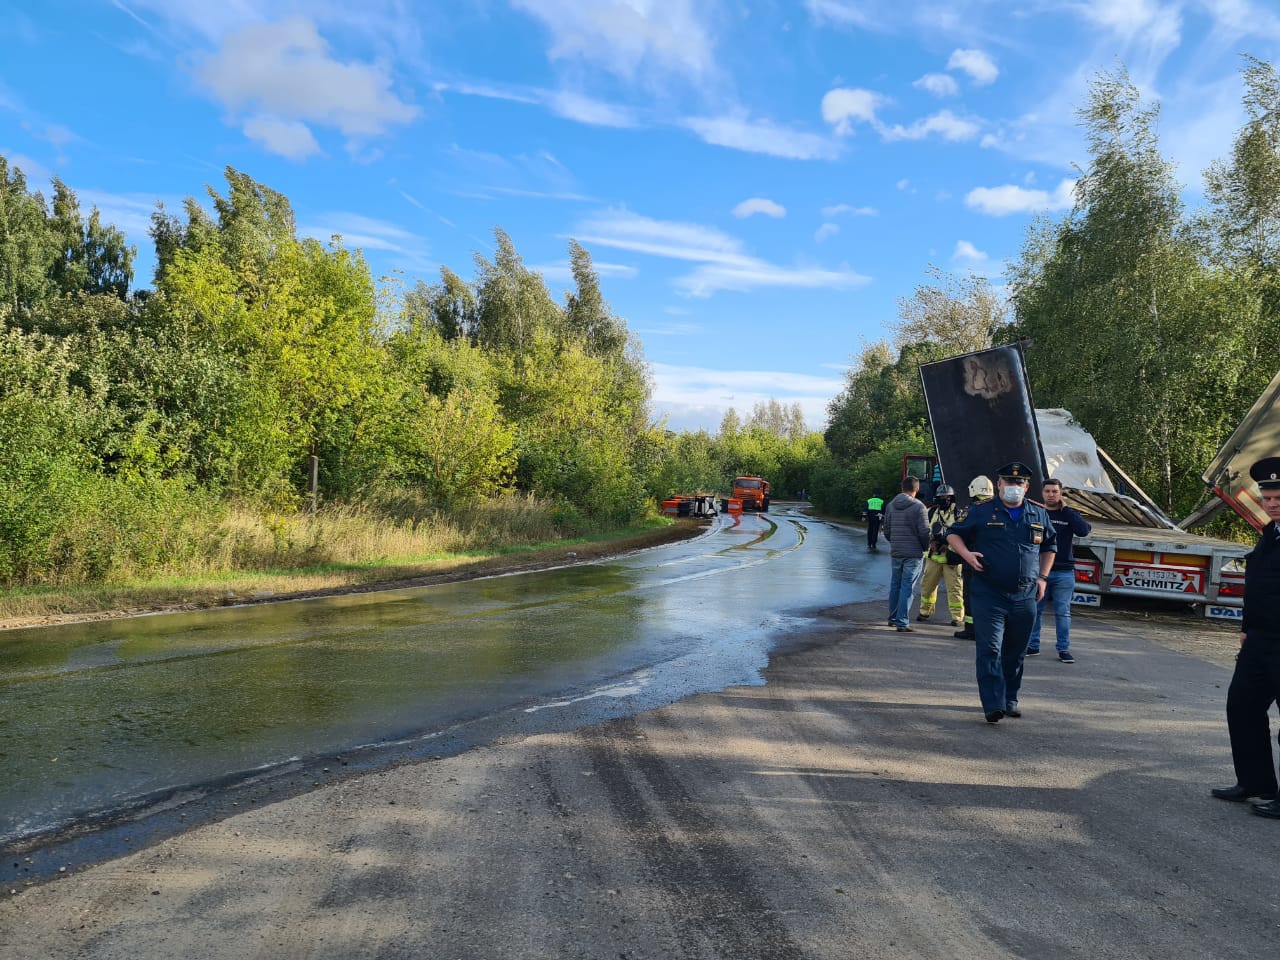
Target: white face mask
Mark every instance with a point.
(1012, 494)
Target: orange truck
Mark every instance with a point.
(753, 492)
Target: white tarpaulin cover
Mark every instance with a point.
(1070, 452)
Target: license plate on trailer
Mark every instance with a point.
(1223, 613)
(1087, 599)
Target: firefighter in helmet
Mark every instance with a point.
(939, 562)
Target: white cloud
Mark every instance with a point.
(288, 138)
(844, 14)
(843, 107)
(966, 252)
(1010, 198)
(825, 231)
(944, 123)
(761, 136)
(939, 84)
(563, 103)
(752, 274)
(1130, 19)
(722, 263)
(845, 209)
(627, 38)
(697, 398)
(283, 74)
(759, 205)
(624, 230)
(903, 183)
(977, 64)
(575, 106)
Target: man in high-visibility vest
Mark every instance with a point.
(939, 562)
(874, 513)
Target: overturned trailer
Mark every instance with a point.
(981, 413)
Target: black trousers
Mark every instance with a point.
(873, 530)
(1255, 686)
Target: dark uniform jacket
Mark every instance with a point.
(1010, 549)
(1262, 590)
(1068, 524)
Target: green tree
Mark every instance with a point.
(960, 314)
(1121, 290)
(91, 257)
(1243, 225)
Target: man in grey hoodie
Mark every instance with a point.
(906, 527)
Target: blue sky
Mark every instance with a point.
(758, 182)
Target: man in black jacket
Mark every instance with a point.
(1067, 524)
(1255, 685)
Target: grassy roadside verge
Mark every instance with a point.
(38, 606)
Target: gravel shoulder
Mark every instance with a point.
(856, 805)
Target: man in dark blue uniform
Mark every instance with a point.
(1009, 544)
(1255, 685)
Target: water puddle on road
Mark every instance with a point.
(102, 717)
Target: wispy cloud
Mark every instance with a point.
(826, 231)
(1011, 198)
(562, 272)
(759, 205)
(762, 136)
(842, 13)
(848, 210)
(753, 274)
(723, 265)
(628, 39)
(33, 170)
(369, 233)
(563, 103)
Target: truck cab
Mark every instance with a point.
(753, 492)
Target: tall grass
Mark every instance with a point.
(177, 552)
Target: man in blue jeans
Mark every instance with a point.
(906, 527)
(1068, 524)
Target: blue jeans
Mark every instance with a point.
(1002, 624)
(1062, 583)
(902, 588)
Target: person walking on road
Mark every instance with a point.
(1067, 524)
(874, 512)
(907, 530)
(1009, 544)
(1255, 685)
(980, 491)
(940, 564)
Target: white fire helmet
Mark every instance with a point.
(980, 488)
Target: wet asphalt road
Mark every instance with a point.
(137, 728)
(854, 805)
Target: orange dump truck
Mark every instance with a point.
(753, 492)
